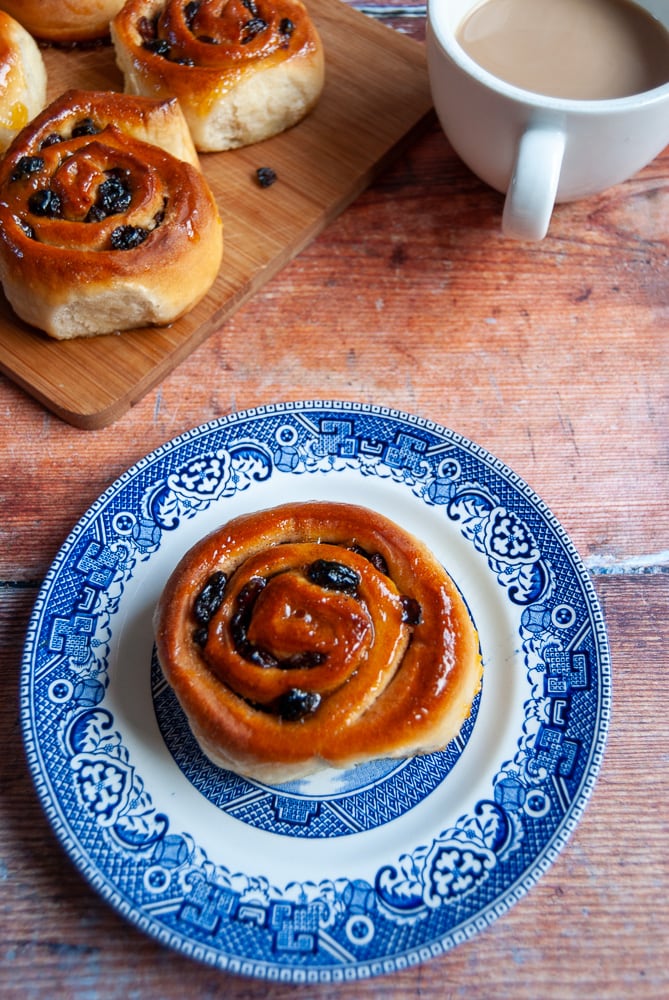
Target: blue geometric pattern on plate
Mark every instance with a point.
(419, 898)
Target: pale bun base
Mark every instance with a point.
(267, 100)
(89, 312)
(260, 106)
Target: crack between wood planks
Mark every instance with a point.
(654, 562)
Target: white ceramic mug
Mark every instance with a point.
(538, 150)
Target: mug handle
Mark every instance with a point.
(531, 194)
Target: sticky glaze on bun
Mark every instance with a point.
(243, 70)
(64, 21)
(315, 635)
(106, 222)
(22, 79)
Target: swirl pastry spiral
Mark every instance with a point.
(106, 223)
(22, 79)
(315, 634)
(64, 21)
(243, 70)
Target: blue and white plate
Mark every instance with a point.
(348, 874)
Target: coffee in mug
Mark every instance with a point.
(537, 148)
(575, 49)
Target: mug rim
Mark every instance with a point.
(447, 41)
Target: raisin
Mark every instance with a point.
(159, 46)
(286, 26)
(190, 11)
(246, 599)
(252, 29)
(95, 214)
(302, 661)
(45, 203)
(265, 176)
(200, 636)
(51, 140)
(208, 40)
(375, 558)
(251, 6)
(412, 613)
(333, 575)
(379, 563)
(113, 196)
(127, 237)
(147, 28)
(296, 703)
(26, 166)
(209, 600)
(255, 655)
(85, 127)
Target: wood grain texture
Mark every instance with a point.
(376, 94)
(554, 357)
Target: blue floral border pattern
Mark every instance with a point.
(428, 900)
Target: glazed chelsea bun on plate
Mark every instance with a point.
(315, 635)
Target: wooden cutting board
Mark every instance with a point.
(376, 95)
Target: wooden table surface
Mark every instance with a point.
(552, 356)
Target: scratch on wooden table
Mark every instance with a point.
(567, 426)
(530, 438)
(381, 13)
(653, 562)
